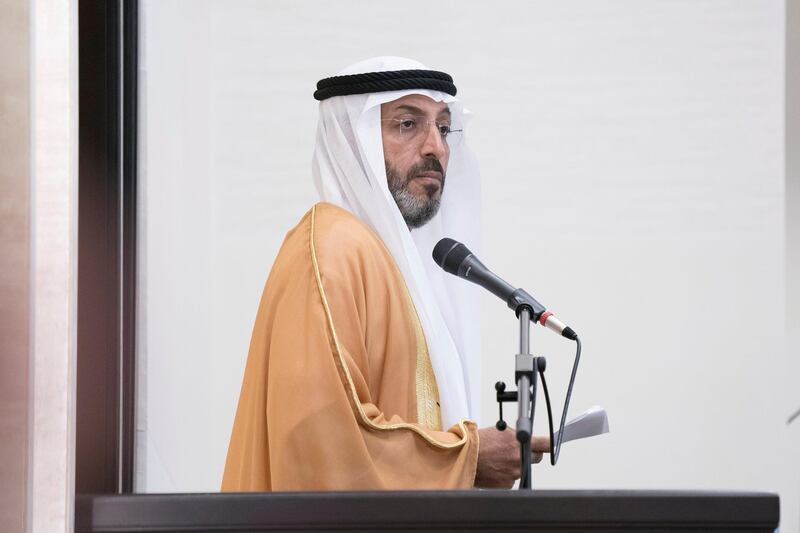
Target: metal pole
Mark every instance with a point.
(525, 375)
(524, 331)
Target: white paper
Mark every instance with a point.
(594, 421)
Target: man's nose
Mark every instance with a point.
(433, 146)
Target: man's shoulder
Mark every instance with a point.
(332, 231)
(334, 227)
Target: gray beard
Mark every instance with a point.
(416, 211)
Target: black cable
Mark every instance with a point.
(549, 413)
(555, 448)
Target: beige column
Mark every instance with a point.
(792, 63)
(54, 216)
(793, 185)
(15, 248)
(38, 259)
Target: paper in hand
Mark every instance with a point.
(593, 421)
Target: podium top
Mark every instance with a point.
(582, 510)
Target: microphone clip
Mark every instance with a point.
(504, 396)
(520, 300)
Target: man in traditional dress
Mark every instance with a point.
(363, 366)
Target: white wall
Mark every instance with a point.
(632, 157)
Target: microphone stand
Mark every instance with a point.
(526, 391)
(525, 396)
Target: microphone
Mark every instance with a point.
(456, 259)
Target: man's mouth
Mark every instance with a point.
(430, 175)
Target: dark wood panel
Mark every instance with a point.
(446, 510)
(130, 133)
(98, 249)
(106, 246)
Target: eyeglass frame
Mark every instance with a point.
(426, 121)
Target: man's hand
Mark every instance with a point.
(498, 457)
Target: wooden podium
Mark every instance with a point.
(476, 510)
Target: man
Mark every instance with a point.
(362, 369)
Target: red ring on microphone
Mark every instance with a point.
(544, 317)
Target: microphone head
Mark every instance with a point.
(449, 254)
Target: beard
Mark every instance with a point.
(416, 210)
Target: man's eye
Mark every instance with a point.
(407, 124)
(444, 130)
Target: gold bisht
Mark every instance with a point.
(338, 391)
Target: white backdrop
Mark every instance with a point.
(632, 160)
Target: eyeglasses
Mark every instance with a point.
(410, 127)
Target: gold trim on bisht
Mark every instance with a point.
(351, 387)
(429, 412)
